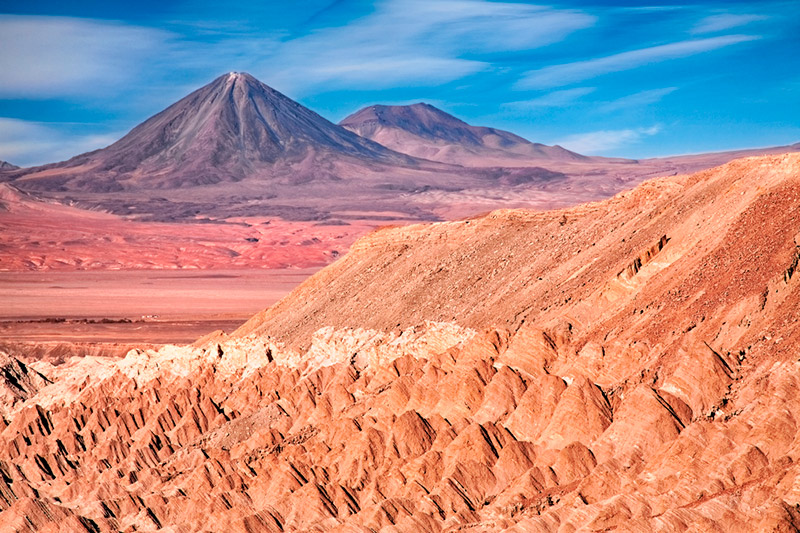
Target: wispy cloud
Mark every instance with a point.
(67, 57)
(562, 98)
(565, 74)
(603, 141)
(422, 42)
(725, 21)
(26, 143)
(401, 43)
(62, 56)
(640, 99)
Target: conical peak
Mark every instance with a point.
(244, 86)
(230, 129)
(233, 77)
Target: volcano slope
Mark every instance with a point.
(626, 365)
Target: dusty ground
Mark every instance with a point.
(629, 365)
(134, 306)
(37, 235)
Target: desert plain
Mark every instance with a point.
(135, 306)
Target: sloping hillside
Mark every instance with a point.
(592, 264)
(625, 365)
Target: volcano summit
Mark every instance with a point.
(231, 129)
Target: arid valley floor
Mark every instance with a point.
(56, 314)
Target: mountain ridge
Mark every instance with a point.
(235, 147)
(425, 131)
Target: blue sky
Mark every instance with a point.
(618, 78)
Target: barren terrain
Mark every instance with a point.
(627, 362)
(626, 365)
(38, 235)
(57, 314)
(237, 175)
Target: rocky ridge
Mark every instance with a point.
(629, 364)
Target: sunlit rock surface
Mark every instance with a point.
(626, 365)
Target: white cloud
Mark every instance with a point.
(423, 42)
(482, 26)
(25, 143)
(559, 75)
(401, 43)
(562, 98)
(725, 21)
(640, 99)
(603, 141)
(58, 56)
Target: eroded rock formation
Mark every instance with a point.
(493, 374)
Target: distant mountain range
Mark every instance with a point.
(237, 147)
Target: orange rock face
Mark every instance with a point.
(626, 365)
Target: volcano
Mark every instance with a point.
(238, 148)
(232, 129)
(425, 131)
